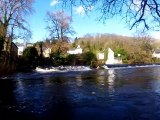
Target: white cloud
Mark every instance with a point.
(156, 35)
(54, 2)
(80, 10)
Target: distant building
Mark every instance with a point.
(10, 52)
(47, 52)
(78, 50)
(100, 56)
(156, 53)
(29, 44)
(22, 46)
(111, 59)
(14, 51)
(11, 48)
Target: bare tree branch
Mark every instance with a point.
(12, 13)
(135, 12)
(12, 17)
(59, 24)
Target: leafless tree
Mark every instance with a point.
(12, 18)
(12, 25)
(142, 13)
(59, 25)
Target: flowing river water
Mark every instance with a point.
(111, 94)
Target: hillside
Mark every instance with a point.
(132, 49)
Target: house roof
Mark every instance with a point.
(20, 45)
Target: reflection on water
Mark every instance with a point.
(20, 87)
(156, 87)
(101, 77)
(111, 82)
(156, 84)
(79, 81)
(113, 94)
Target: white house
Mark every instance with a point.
(100, 56)
(47, 52)
(78, 50)
(111, 59)
(22, 46)
(156, 53)
(29, 44)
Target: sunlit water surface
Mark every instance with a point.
(113, 94)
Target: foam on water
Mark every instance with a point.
(45, 70)
(136, 66)
(62, 69)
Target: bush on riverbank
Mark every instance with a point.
(88, 59)
(30, 57)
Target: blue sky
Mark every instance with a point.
(82, 23)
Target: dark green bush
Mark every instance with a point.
(30, 56)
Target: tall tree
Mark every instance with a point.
(59, 25)
(144, 13)
(12, 18)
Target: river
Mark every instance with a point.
(111, 94)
